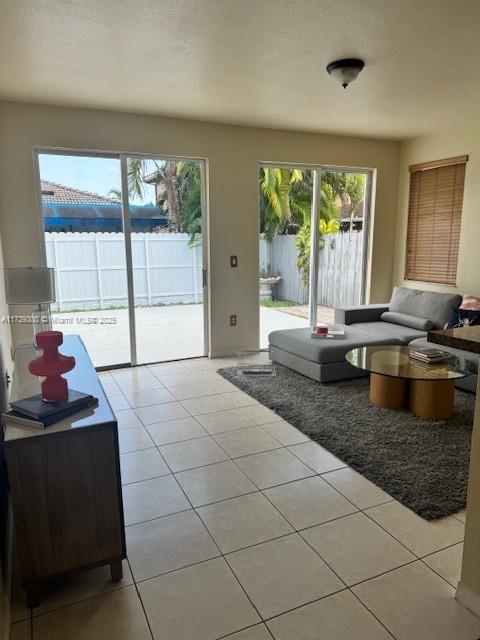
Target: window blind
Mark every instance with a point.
(434, 219)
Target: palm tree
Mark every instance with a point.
(165, 180)
(348, 187)
(277, 206)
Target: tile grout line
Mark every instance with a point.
(417, 558)
(380, 622)
(140, 599)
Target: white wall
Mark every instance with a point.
(233, 155)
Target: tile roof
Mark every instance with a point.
(53, 192)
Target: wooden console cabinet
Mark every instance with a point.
(65, 487)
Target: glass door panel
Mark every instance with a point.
(343, 221)
(165, 220)
(285, 202)
(81, 209)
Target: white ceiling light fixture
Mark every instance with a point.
(346, 70)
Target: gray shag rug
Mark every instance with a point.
(424, 465)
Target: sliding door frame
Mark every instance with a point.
(122, 157)
(128, 245)
(317, 170)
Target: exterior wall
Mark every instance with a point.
(233, 155)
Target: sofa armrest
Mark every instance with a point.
(362, 313)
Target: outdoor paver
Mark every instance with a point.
(179, 334)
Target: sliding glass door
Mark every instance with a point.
(164, 207)
(344, 213)
(313, 243)
(124, 234)
(81, 210)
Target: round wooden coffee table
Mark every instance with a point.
(398, 382)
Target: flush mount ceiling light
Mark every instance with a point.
(345, 71)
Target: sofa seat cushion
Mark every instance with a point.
(387, 330)
(433, 305)
(323, 351)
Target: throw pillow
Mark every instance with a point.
(469, 310)
(468, 313)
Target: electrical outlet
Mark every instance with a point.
(233, 261)
(233, 320)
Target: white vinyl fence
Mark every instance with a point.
(90, 269)
(339, 271)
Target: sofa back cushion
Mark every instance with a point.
(406, 320)
(430, 305)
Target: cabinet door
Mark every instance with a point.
(66, 501)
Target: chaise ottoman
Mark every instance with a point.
(322, 359)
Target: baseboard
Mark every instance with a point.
(468, 598)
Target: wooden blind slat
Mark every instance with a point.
(446, 162)
(434, 219)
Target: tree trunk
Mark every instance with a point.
(172, 196)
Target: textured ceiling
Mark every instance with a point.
(255, 62)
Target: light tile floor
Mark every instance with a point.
(239, 527)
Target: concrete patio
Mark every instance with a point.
(163, 333)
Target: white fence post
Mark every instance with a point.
(58, 273)
(147, 268)
(99, 272)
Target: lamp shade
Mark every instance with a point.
(29, 285)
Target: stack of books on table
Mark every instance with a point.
(429, 355)
(34, 412)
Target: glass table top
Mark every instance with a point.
(395, 361)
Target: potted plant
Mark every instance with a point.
(267, 282)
